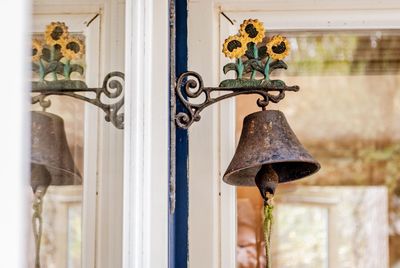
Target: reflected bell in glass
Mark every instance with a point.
(51, 164)
(268, 153)
(50, 150)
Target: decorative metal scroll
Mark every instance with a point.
(190, 86)
(112, 89)
(254, 60)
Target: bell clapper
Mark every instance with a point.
(266, 181)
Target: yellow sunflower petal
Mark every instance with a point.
(278, 47)
(235, 46)
(36, 50)
(55, 33)
(72, 48)
(253, 30)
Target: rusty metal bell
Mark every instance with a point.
(268, 149)
(51, 159)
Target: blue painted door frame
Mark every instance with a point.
(178, 221)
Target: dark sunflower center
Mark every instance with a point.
(279, 49)
(74, 46)
(34, 51)
(57, 47)
(57, 33)
(234, 44)
(251, 30)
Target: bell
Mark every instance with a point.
(268, 153)
(51, 159)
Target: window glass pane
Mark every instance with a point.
(56, 247)
(74, 235)
(77, 139)
(346, 115)
(301, 236)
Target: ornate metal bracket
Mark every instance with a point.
(112, 88)
(190, 86)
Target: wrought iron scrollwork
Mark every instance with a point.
(190, 86)
(112, 90)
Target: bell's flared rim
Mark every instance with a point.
(62, 176)
(250, 181)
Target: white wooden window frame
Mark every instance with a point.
(146, 160)
(212, 235)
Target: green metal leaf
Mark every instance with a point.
(248, 66)
(54, 66)
(229, 67)
(60, 68)
(59, 85)
(236, 83)
(77, 68)
(277, 65)
(278, 83)
(256, 65)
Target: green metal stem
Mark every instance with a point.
(255, 53)
(52, 54)
(266, 69)
(41, 70)
(240, 68)
(67, 69)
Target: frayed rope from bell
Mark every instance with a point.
(268, 221)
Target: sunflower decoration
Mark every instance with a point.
(254, 59)
(235, 46)
(52, 57)
(278, 47)
(55, 33)
(72, 48)
(253, 30)
(36, 50)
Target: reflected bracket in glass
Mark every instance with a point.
(112, 88)
(54, 60)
